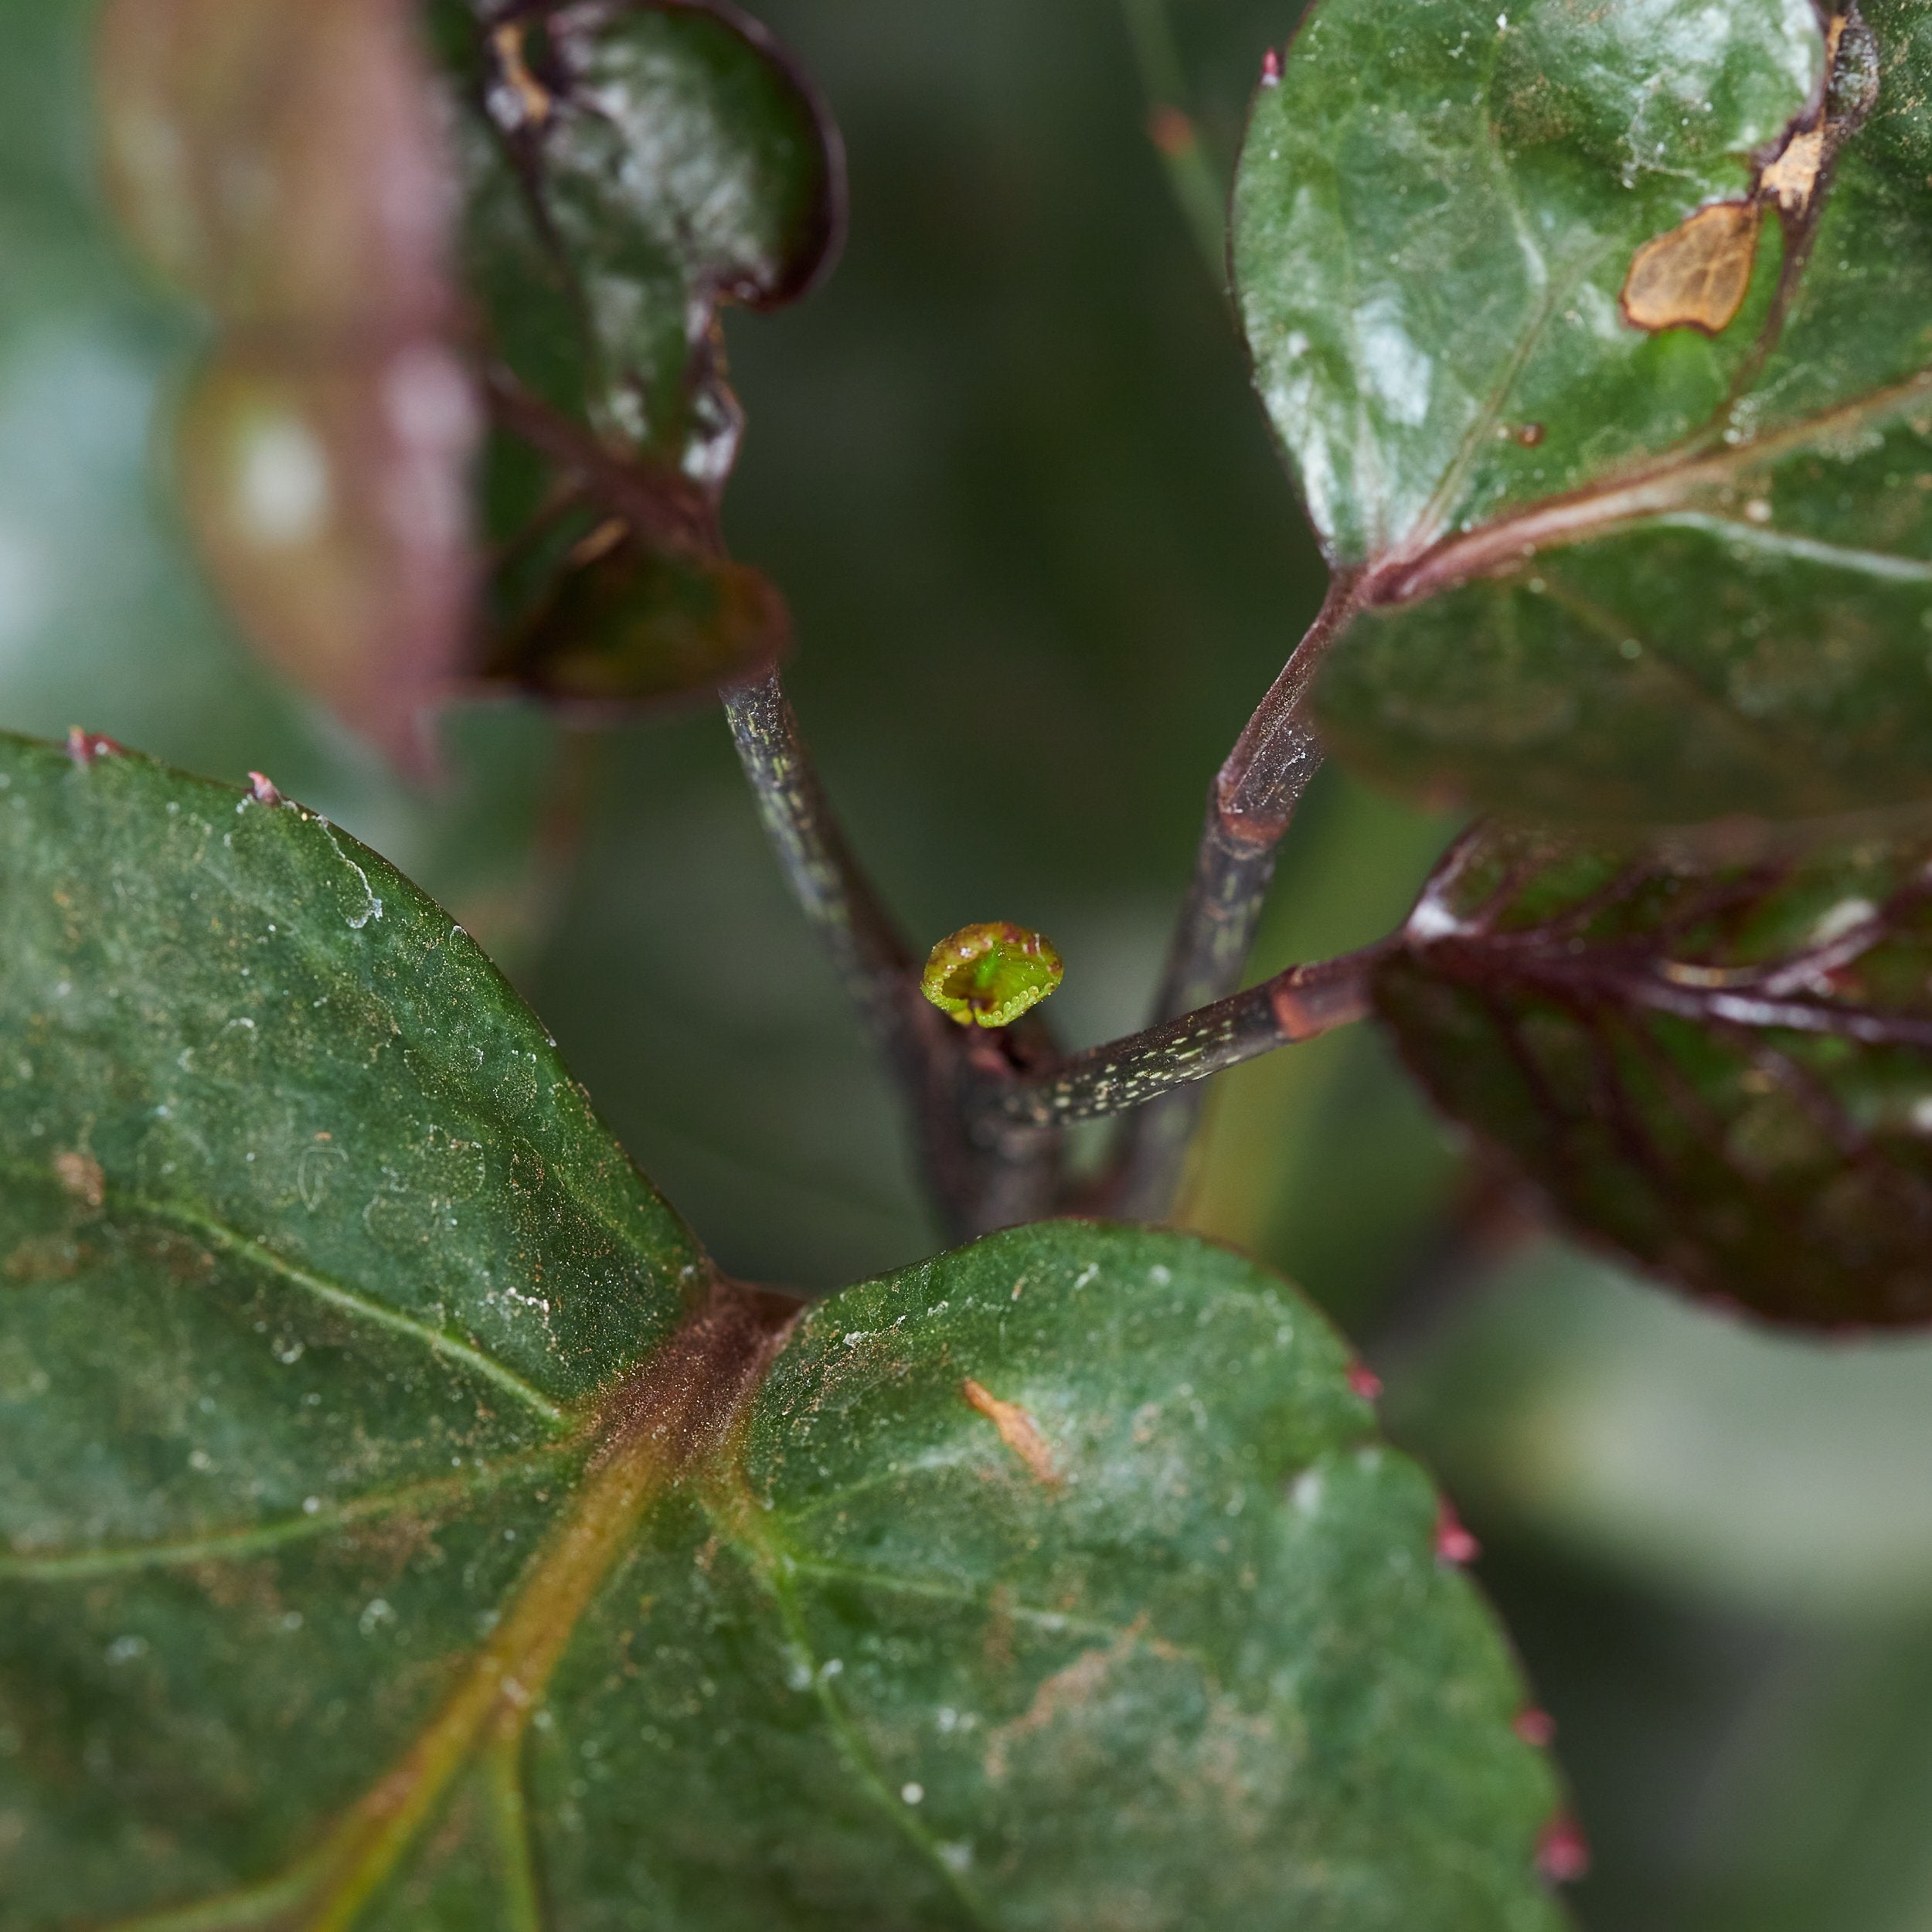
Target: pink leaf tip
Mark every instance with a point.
(83, 747)
(1454, 1543)
(1364, 1381)
(1563, 1852)
(261, 788)
(1535, 1727)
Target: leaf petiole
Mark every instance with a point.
(1300, 1004)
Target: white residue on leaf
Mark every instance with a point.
(373, 909)
(1393, 366)
(1306, 1495)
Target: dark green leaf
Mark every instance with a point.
(374, 1552)
(1608, 571)
(626, 623)
(1725, 1072)
(628, 165)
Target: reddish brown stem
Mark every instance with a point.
(1298, 1005)
(1250, 805)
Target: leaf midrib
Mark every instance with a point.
(1640, 496)
(675, 1413)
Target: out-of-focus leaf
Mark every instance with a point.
(622, 623)
(328, 506)
(401, 1526)
(629, 166)
(1725, 1072)
(280, 161)
(1609, 568)
(1724, 1462)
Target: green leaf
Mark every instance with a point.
(1606, 571)
(628, 166)
(401, 1527)
(1724, 1071)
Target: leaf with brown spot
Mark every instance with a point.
(80, 1174)
(1790, 177)
(531, 1568)
(1705, 588)
(1017, 1429)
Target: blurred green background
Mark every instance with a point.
(1043, 560)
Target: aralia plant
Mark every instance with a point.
(406, 1523)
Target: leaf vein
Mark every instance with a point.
(293, 1274)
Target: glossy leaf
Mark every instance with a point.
(1724, 1072)
(1597, 338)
(280, 163)
(402, 1527)
(628, 166)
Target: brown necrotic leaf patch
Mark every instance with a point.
(1789, 178)
(1695, 276)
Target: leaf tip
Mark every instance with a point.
(1535, 1727)
(1563, 1852)
(83, 747)
(1454, 1546)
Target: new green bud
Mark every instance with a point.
(991, 973)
